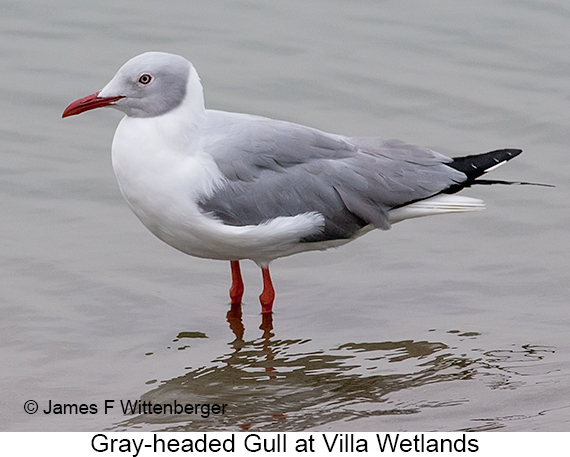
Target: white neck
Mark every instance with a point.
(179, 127)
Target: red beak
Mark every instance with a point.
(87, 103)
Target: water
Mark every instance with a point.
(448, 323)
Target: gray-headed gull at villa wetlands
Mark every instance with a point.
(232, 186)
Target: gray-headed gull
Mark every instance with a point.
(232, 186)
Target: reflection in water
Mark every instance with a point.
(275, 385)
(234, 318)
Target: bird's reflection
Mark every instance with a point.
(278, 384)
(267, 325)
(234, 318)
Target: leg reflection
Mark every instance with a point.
(234, 319)
(267, 325)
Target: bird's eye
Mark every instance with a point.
(145, 79)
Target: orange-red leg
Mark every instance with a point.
(236, 291)
(268, 295)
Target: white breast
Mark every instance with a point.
(163, 179)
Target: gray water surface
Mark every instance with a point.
(457, 322)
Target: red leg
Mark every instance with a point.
(236, 291)
(268, 295)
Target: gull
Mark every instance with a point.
(231, 186)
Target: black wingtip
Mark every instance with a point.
(475, 165)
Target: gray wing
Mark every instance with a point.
(276, 168)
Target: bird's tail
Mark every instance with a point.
(473, 167)
(439, 204)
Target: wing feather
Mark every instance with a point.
(276, 168)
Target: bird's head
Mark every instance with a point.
(148, 85)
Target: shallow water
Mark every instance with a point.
(450, 323)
